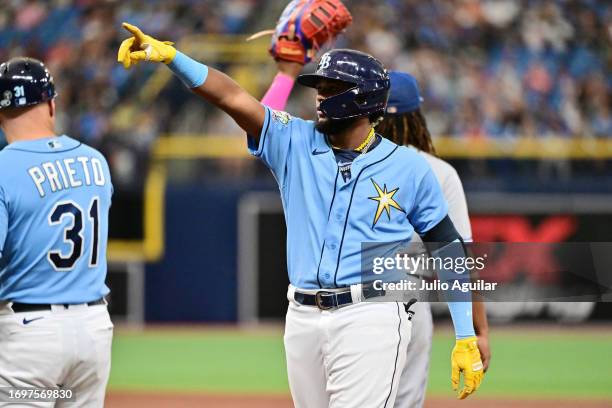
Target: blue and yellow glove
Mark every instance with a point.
(142, 47)
(466, 358)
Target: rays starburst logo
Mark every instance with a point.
(385, 202)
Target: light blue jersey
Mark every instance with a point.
(55, 194)
(391, 193)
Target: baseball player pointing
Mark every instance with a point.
(341, 184)
(404, 124)
(55, 194)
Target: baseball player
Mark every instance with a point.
(55, 194)
(404, 124)
(341, 185)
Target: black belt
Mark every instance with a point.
(326, 300)
(37, 307)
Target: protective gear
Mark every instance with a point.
(368, 76)
(305, 26)
(25, 82)
(466, 358)
(142, 47)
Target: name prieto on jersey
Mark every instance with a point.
(60, 175)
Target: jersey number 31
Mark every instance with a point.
(73, 234)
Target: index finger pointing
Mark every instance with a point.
(134, 30)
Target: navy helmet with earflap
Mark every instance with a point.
(25, 82)
(369, 78)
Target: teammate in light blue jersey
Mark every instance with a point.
(55, 195)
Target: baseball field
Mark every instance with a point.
(532, 366)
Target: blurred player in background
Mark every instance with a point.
(405, 124)
(55, 195)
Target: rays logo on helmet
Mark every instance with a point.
(325, 61)
(6, 99)
(369, 78)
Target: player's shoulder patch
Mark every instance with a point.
(282, 117)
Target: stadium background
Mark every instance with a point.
(517, 92)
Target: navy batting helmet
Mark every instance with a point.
(24, 82)
(368, 76)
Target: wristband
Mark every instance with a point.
(278, 93)
(461, 313)
(192, 73)
(459, 302)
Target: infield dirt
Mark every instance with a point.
(130, 399)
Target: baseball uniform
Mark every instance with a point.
(55, 330)
(348, 356)
(413, 381)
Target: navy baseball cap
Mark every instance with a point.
(405, 96)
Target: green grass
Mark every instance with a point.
(536, 365)
(524, 365)
(206, 361)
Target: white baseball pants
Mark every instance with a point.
(413, 381)
(63, 347)
(347, 357)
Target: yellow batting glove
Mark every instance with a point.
(466, 358)
(142, 47)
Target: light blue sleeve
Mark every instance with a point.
(459, 302)
(429, 207)
(276, 141)
(3, 220)
(461, 314)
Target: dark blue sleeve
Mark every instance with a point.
(446, 243)
(429, 206)
(444, 231)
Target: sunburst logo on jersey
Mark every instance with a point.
(385, 202)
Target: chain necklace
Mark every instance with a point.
(365, 146)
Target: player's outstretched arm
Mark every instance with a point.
(226, 94)
(211, 84)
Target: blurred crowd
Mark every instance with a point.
(499, 68)
(98, 100)
(489, 68)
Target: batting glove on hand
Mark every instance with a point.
(142, 47)
(466, 358)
